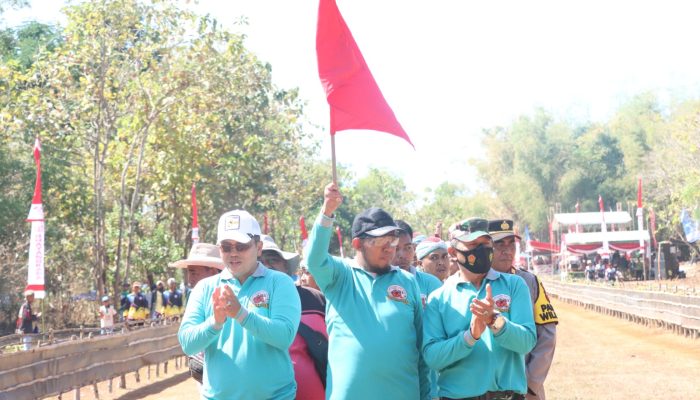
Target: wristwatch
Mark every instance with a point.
(497, 322)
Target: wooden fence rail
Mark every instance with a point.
(59, 368)
(679, 313)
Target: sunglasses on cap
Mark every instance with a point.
(240, 247)
(474, 225)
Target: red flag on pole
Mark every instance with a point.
(340, 241)
(35, 270)
(639, 193)
(304, 233)
(195, 222)
(353, 95)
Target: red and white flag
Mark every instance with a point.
(304, 232)
(353, 95)
(195, 222)
(340, 241)
(35, 278)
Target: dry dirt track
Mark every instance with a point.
(598, 357)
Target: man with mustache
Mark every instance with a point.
(538, 361)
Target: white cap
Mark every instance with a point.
(237, 225)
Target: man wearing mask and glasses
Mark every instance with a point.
(374, 313)
(479, 324)
(243, 319)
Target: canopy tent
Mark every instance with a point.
(590, 218)
(543, 246)
(591, 242)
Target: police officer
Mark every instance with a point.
(539, 360)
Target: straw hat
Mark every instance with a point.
(201, 254)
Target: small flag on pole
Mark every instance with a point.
(195, 222)
(304, 233)
(340, 241)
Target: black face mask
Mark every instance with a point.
(478, 260)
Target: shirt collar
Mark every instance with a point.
(392, 268)
(260, 271)
(456, 278)
(412, 269)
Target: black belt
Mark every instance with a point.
(502, 395)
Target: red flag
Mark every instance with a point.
(353, 95)
(639, 193)
(602, 207)
(195, 222)
(340, 241)
(304, 233)
(36, 212)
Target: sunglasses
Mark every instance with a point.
(383, 241)
(240, 247)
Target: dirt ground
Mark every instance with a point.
(597, 357)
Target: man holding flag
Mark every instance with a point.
(374, 316)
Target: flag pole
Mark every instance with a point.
(335, 176)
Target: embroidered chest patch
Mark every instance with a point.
(396, 293)
(261, 299)
(502, 302)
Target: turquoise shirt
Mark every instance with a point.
(495, 362)
(374, 324)
(248, 358)
(428, 283)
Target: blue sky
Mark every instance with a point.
(450, 68)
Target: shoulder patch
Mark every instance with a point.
(544, 312)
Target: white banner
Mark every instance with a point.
(35, 279)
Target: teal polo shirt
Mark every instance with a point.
(248, 358)
(374, 325)
(428, 283)
(495, 362)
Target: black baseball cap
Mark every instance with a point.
(373, 222)
(501, 228)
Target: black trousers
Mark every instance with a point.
(505, 395)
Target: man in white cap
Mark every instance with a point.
(309, 351)
(107, 313)
(243, 319)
